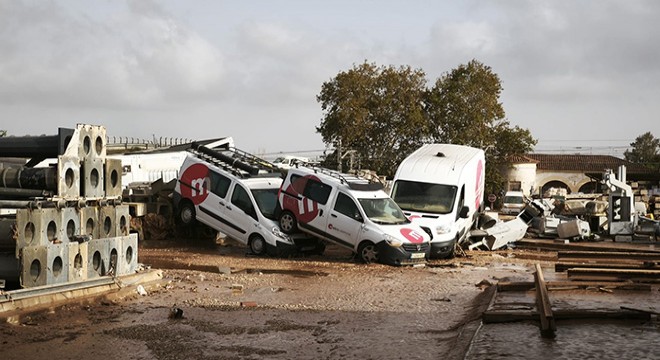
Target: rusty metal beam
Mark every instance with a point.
(614, 255)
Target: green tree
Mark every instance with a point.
(464, 107)
(3, 133)
(645, 151)
(376, 111)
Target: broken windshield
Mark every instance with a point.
(383, 211)
(424, 197)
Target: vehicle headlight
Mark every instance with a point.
(392, 241)
(442, 229)
(277, 232)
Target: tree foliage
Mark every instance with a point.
(376, 111)
(645, 151)
(3, 133)
(385, 113)
(465, 107)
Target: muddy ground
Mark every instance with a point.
(237, 306)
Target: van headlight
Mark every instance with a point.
(277, 232)
(392, 241)
(442, 229)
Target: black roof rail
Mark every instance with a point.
(238, 162)
(348, 179)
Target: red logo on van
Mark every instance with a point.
(306, 209)
(479, 191)
(195, 183)
(412, 236)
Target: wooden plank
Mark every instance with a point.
(503, 316)
(548, 326)
(529, 285)
(553, 245)
(563, 266)
(614, 274)
(614, 255)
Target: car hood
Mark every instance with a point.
(409, 233)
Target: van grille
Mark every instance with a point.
(416, 247)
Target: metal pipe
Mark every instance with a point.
(29, 178)
(14, 204)
(46, 146)
(17, 194)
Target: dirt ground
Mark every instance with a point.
(237, 306)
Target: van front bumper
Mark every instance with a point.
(407, 254)
(442, 250)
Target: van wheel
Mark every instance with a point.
(288, 222)
(367, 252)
(187, 214)
(257, 245)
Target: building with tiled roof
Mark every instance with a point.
(535, 173)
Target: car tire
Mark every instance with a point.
(187, 214)
(367, 252)
(257, 245)
(288, 222)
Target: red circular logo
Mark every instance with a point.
(412, 236)
(195, 183)
(306, 209)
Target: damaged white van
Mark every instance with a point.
(235, 194)
(351, 212)
(441, 188)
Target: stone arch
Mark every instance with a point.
(591, 187)
(555, 184)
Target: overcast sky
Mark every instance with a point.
(575, 73)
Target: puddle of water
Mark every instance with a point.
(574, 340)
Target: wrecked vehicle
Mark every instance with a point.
(235, 196)
(441, 188)
(351, 212)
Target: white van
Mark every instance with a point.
(441, 188)
(513, 203)
(235, 197)
(351, 212)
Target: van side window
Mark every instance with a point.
(345, 205)
(317, 191)
(219, 184)
(461, 202)
(241, 199)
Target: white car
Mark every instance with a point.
(352, 213)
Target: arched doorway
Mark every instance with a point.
(592, 187)
(555, 184)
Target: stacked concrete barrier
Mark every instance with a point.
(81, 232)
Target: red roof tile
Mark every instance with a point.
(585, 163)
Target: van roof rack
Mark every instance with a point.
(238, 162)
(354, 182)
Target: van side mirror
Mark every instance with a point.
(465, 210)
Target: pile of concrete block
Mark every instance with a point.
(81, 232)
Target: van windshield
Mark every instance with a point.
(383, 211)
(266, 201)
(424, 197)
(513, 199)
